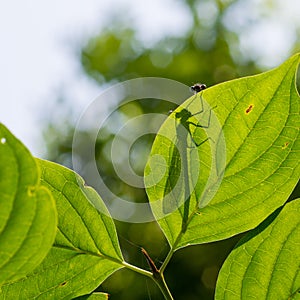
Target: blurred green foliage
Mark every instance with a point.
(208, 53)
(203, 53)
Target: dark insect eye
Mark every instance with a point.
(198, 87)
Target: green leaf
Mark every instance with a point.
(265, 263)
(27, 211)
(201, 193)
(94, 296)
(86, 249)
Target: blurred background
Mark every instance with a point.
(57, 56)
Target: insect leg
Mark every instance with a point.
(208, 120)
(200, 126)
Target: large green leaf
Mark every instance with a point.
(265, 263)
(222, 194)
(27, 211)
(86, 249)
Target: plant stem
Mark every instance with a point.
(171, 252)
(156, 276)
(160, 281)
(166, 261)
(137, 269)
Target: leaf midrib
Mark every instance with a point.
(87, 252)
(74, 209)
(80, 190)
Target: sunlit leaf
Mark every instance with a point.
(265, 263)
(94, 296)
(228, 177)
(86, 249)
(27, 211)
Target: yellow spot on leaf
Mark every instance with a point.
(31, 191)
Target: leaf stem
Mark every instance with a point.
(137, 269)
(166, 261)
(160, 281)
(171, 252)
(156, 275)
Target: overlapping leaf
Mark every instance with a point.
(27, 211)
(265, 263)
(212, 194)
(86, 249)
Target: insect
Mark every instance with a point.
(198, 87)
(184, 115)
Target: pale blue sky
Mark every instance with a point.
(36, 57)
